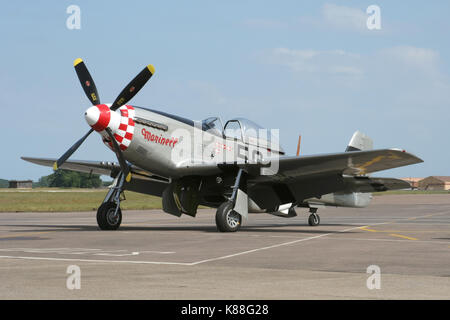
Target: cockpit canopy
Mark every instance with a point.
(245, 130)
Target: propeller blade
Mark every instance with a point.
(69, 152)
(133, 87)
(123, 164)
(86, 81)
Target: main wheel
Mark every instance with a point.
(227, 220)
(314, 220)
(106, 217)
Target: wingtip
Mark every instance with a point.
(77, 61)
(151, 68)
(418, 159)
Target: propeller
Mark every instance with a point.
(133, 87)
(88, 85)
(71, 150)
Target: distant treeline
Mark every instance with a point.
(66, 179)
(70, 179)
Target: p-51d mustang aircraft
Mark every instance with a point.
(234, 168)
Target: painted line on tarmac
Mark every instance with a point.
(98, 261)
(389, 240)
(391, 234)
(222, 257)
(21, 235)
(184, 263)
(365, 228)
(402, 236)
(84, 251)
(271, 247)
(307, 239)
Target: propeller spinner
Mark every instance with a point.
(101, 116)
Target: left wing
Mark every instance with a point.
(289, 179)
(345, 163)
(285, 169)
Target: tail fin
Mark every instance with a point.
(359, 142)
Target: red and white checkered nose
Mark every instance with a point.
(98, 117)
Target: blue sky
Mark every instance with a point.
(310, 68)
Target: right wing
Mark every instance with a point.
(141, 180)
(91, 167)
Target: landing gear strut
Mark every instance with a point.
(314, 219)
(109, 215)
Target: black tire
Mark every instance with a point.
(105, 219)
(314, 220)
(227, 220)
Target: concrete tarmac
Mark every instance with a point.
(157, 256)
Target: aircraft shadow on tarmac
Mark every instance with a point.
(277, 228)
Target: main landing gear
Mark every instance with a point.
(227, 218)
(314, 219)
(109, 215)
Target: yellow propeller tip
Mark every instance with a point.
(128, 178)
(55, 166)
(77, 61)
(151, 68)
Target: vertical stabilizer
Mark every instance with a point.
(359, 142)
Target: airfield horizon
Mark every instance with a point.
(85, 199)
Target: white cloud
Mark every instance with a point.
(420, 58)
(336, 62)
(207, 91)
(264, 23)
(344, 17)
(393, 60)
(331, 16)
(341, 18)
(407, 77)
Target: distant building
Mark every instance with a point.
(23, 184)
(414, 182)
(435, 183)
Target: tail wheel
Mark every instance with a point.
(228, 220)
(107, 218)
(314, 219)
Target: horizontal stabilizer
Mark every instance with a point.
(372, 184)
